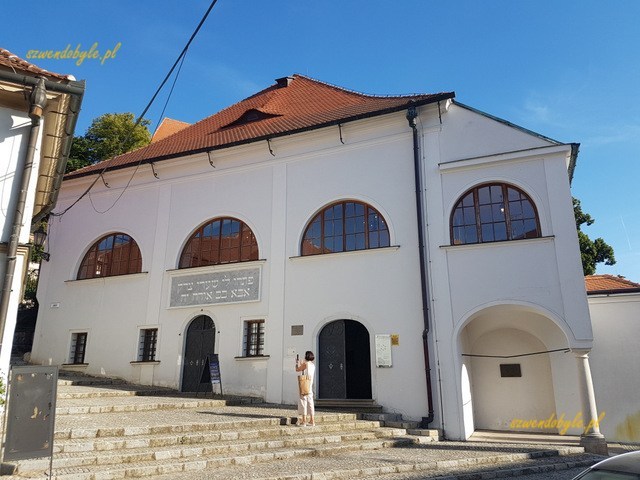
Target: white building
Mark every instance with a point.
(614, 303)
(299, 219)
(38, 111)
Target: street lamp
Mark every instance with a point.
(39, 237)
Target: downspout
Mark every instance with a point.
(412, 115)
(37, 102)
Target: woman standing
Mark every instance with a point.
(306, 407)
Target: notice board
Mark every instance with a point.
(383, 351)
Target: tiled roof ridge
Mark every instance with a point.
(362, 94)
(603, 283)
(14, 62)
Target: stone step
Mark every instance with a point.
(131, 451)
(233, 427)
(148, 463)
(373, 460)
(135, 404)
(349, 405)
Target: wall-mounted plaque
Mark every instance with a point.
(297, 330)
(228, 286)
(383, 351)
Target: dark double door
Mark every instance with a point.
(199, 345)
(344, 361)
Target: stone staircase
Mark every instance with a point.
(108, 429)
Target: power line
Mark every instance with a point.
(140, 118)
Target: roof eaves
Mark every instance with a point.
(425, 101)
(615, 291)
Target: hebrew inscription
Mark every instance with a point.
(231, 286)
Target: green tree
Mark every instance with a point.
(592, 251)
(109, 135)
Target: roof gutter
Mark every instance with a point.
(435, 99)
(69, 127)
(573, 159)
(71, 88)
(412, 115)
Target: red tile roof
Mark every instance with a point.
(168, 127)
(294, 104)
(609, 284)
(18, 65)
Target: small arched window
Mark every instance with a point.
(492, 213)
(344, 227)
(223, 240)
(113, 254)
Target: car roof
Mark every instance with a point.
(626, 462)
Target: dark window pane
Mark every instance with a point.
(487, 232)
(531, 229)
(373, 240)
(469, 216)
(498, 212)
(471, 234)
(517, 229)
(527, 210)
(384, 238)
(360, 241)
(484, 196)
(515, 210)
(485, 214)
(500, 231)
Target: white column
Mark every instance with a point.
(591, 439)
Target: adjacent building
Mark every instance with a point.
(426, 251)
(38, 111)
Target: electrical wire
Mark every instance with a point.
(564, 350)
(170, 92)
(138, 120)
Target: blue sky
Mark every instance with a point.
(569, 70)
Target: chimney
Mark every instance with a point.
(284, 82)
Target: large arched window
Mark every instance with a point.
(492, 213)
(223, 240)
(113, 254)
(343, 227)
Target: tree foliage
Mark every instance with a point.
(109, 135)
(592, 252)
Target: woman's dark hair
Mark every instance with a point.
(309, 357)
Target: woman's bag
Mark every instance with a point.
(304, 384)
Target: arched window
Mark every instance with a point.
(223, 240)
(492, 213)
(113, 254)
(343, 227)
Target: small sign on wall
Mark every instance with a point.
(383, 351)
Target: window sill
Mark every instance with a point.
(145, 362)
(502, 243)
(248, 359)
(392, 248)
(75, 365)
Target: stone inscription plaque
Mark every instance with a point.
(231, 286)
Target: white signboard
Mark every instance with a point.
(383, 351)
